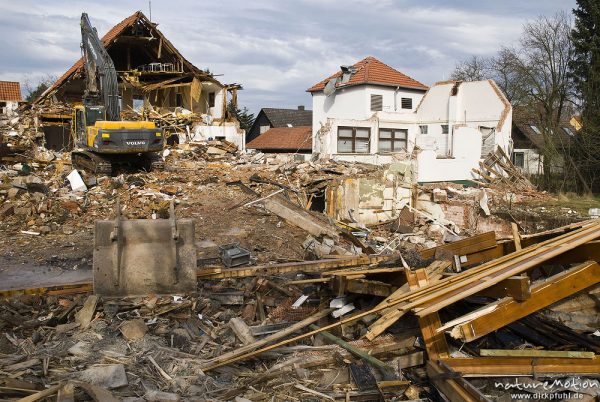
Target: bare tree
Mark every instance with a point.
(475, 68)
(535, 76)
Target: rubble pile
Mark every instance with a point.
(249, 337)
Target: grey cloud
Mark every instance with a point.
(278, 49)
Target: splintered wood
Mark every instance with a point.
(498, 170)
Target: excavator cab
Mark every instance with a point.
(83, 117)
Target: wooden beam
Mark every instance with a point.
(475, 280)
(503, 366)
(435, 342)
(516, 237)
(517, 287)
(543, 294)
(536, 353)
(450, 387)
(470, 245)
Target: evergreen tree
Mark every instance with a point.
(242, 115)
(585, 69)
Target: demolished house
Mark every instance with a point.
(156, 82)
(372, 113)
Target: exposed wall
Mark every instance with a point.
(229, 131)
(371, 200)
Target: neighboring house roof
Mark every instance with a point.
(284, 138)
(372, 71)
(107, 40)
(10, 91)
(286, 117)
(529, 126)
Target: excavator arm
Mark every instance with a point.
(101, 87)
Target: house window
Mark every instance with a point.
(444, 129)
(536, 129)
(519, 159)
(423, 129)
(376, 103)
(211, 99)
(264, 129)
(568, 131)
(392, 140)
(406, 103)
(353, 140)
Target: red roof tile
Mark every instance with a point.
(373, 71)
(106, 39)
(284, 138)
(10, 91)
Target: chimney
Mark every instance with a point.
(301, 107)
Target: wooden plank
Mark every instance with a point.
(305, 266)
(231, 357)
(517, 287)
(393, 314)
(543, 294)
(482, 256)
(538, 366)
(536, 353)
(241, 330)
(466, 246)
(367, 287)
(410, 360)
(513, 264)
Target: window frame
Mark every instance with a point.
(423, 126)
(392, 140)
(353, 139)
(514, 159)
(410, 100)
(445, 129)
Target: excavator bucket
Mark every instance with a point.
(137, 257)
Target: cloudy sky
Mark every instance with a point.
(276, 48)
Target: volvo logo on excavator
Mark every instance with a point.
(139, 142)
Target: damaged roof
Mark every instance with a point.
(372, 71)
(284, 138)
(108, 39)
(10, 91)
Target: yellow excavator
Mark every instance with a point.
(102, 138)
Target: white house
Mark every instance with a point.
(10, 96)
(372, 113)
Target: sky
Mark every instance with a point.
(276, 49)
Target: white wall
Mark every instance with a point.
(532, 161)
(10, 108)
